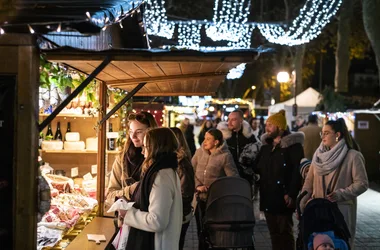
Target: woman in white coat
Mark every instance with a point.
(156, 217)
(337, 172)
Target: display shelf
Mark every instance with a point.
(76, 115)
(63, 151)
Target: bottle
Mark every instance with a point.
(40, 140)
(68, 127)
(58, 134)
(49, 133)
(111, 141)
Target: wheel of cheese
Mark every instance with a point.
(73, 145)
(51, 145)
(72, 136)
(92, 143)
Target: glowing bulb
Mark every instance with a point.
(88, 14)
(59, 28)
(253, 87)
(283, 77)
(2, 32)
(31, 29)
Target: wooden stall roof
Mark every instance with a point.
(167, 72)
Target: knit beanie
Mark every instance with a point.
(320, 239)
(304, 165)
(278, 119)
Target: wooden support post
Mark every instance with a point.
(101, 161)
(121, 103)
(20, 57)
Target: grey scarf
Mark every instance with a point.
(327, 160)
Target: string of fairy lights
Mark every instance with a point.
(229, 23)
(313, 17)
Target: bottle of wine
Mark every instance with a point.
(58, 133)
(49, 133)
(68, 127)
(40, 140)
(111, 141)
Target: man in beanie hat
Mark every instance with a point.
(280, 181)
(323, 242)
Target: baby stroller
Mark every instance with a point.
(323, 217)
(228, 221)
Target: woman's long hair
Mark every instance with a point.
(158, 141)
(129, 150)
(340, 126)
(181, 141)
(204, 128)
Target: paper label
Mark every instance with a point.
(94, 169)
(74, 172)
(87, 177)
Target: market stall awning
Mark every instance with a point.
(167, 73)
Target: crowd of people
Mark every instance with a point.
(160, 170)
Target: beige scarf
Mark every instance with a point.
(327, 160)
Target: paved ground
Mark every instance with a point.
(367, 230)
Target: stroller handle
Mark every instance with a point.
(298, 201)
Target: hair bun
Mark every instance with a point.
(282, 112)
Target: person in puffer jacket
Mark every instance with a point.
(210, 162)
(242, 143)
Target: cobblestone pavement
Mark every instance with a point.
(367, 229)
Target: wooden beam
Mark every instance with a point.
(118, 83)
(176, 94)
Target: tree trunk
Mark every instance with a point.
(298, 62)
(371, 19)
(342, 56)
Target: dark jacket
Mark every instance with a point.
(189, 136)
(186, 175)
(244, 147)
(278, 170)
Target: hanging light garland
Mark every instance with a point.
(229, 17)
(313, 17)
(156, 19)
(189, 35)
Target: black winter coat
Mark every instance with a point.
(278, 168)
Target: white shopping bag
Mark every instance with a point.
(120, 241)
(120, 204)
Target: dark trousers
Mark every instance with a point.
(183, 235)
(281, 231)
(199, 213)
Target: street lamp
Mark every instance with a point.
(283, 77)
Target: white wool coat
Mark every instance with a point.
(164, 216)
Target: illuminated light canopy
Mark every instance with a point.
(313, 17)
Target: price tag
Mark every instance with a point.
(94, 169)
(74, 172)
